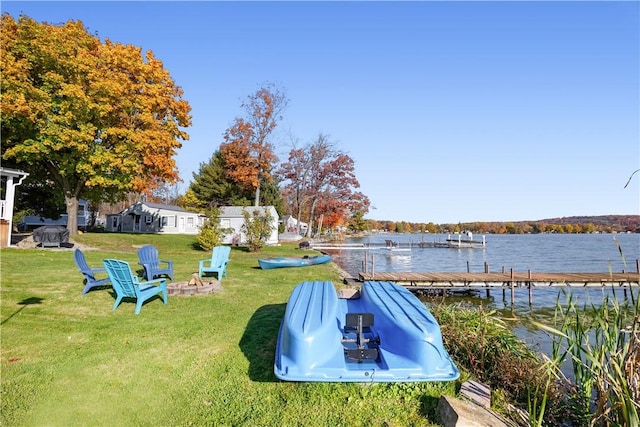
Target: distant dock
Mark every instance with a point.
(451, 242)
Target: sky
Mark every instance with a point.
(452, 111)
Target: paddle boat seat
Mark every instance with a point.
(357, 330)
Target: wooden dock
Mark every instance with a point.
(503, 280)
(511, 280)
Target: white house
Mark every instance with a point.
(290, 225)
(232, 219)
(146, 217)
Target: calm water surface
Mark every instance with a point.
(536, 252)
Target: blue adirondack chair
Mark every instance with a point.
(89, 273)
(127, 285)
(148, 256)
(217, 264)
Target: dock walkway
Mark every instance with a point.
(510, 280)
(503, 280)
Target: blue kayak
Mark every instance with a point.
(269, 263)
(385, 335)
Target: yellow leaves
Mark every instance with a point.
(105, 111)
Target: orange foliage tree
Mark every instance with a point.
(248, 149)
(321, 180)
(95, 120)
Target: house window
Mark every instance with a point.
(190, 222)
(169, 221)
(225, 223)
(114, 222)
(148, 219)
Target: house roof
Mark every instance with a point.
(139, 207)
(286, 218)
(236, 211)
(12, 172)
(165, 207)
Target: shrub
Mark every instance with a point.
(258, 228)
(211, 233)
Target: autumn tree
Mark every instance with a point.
(211, 186)
(297, 171)
(248, 150)
(322, 178)
(91, 119)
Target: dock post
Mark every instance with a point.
(504, 291)
(373, 266)
(513, 301)
(530, 294)
(468, 269)
(486, 270)
(366, 262)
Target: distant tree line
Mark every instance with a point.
(567, 225)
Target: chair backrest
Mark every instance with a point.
(81, 262)
(148, 254)
(121, 277)
(220, 256)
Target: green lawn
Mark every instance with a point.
(68, 359)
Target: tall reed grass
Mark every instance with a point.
(601, 343)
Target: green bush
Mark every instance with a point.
(258, 228)
(211, 234)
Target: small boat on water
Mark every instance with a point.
(385, 334)
(269, 263)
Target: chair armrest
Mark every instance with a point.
(169, 263)
(98, 270)
(148, 282)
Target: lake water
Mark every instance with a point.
(596, 253)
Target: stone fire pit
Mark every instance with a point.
(195, 286)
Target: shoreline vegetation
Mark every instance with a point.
(68, 359)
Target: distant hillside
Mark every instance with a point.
(627, 222)
(569, 224)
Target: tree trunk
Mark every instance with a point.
(72, 214)
(257, 201)
(311, 213)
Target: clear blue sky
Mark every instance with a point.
(452, 111)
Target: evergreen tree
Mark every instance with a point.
(211, 187)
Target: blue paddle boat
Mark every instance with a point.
(269, 263)
(385, 335)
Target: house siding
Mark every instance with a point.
(145, 217)
(231, 218)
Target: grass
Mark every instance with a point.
(68, 359)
